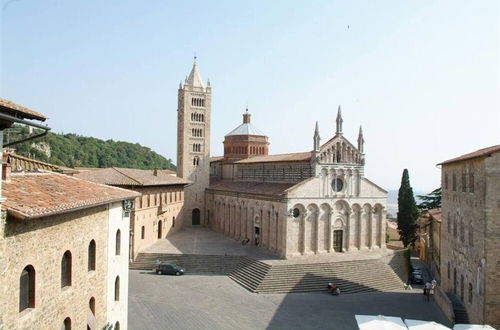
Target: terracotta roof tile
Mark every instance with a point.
(476, 154)
(260, 188)
(436, 214)
(130, 177)
(34, 195)
(293, 157)
(20, 111)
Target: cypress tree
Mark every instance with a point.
(407, 211)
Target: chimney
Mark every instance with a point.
(6, 169)
(155, 172)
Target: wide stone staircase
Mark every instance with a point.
(350, 276)
(192, 263)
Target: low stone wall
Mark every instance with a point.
(398, 261)
(444, 303)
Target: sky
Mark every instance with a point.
(421, 77)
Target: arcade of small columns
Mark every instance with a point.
(311, 232)
(340, 152)
(351, 178)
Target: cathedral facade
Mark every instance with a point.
(308, 203)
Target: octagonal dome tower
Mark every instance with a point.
(245, 141)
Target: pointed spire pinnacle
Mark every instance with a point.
(208, 82)
(316, 138)
(361, 140)
(339, 121)
(194, 78)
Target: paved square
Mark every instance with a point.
(217, 302)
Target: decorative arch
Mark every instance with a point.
(357, 210)
(297, 213)
(324, 226)
(311, 229)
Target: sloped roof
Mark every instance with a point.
(259, 188)
(246, 129)
(20, 111)
(436, 214)
(194, 78)
(34, 195)
(216, 158)
(476, 154)
(292, 157)
(130, 177)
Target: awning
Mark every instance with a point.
(424, 325)
(380, 322)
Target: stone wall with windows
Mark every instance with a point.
(463, 234)
(155, 215)
(42, 243)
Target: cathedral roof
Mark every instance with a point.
(246, 129)
(250, 187)
(293, 157)
(194, 78)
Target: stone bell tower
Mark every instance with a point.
(193, 144)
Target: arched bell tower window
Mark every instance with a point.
(66, 269)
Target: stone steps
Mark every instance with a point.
(349, 276)
(192, 263)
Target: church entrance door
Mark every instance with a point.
(257, 235)
(159, 229)
(337, 240)
(195, 217)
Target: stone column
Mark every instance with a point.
(329, 232)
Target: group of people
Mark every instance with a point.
(335, 290)
(429, 289)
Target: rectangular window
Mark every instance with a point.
(471, 182)
(464, 182)
(454, 182)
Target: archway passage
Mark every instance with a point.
(159, 229)
(337, 240)
(257, 235)
(195, 217)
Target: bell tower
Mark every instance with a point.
(193, 144)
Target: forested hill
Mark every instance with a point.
(72, 150)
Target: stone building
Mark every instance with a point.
(193, 143)
(156, 211)
(314, 202)
(63, 243)
(63, 252)
(470, 239)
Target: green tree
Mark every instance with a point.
(407, 211)
(430, 201)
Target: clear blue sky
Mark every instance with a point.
(422, 77)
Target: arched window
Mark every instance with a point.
(470, 293)
(27, 288)
(67, 324)
(118, 242)
(117, 288)
(91, 261)
(143, 231)
(92, 305)
(449, 270)
(66, 270)
(117, 325)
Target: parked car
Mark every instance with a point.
(169, 269)
(417, 278)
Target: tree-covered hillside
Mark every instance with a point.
(72, 150)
